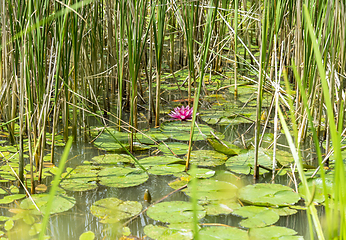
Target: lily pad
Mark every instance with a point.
(174, 212)
(224, 147)
(151, 136)
(162, 165)
(207, 158)
(11, 198)
(222, 206)
(181, 131)
(167, 233)
(112, 159)
(180, 181)
(316, 187)
(82, 178)
(122, 177)
(256, 216)
(113, 210)
(201, 173)
(264, 194)
(211, 233)
(209, 189)
(273, 232)
(177, 147)
(243, 163)
(61, 203)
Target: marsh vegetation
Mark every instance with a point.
(265, 80)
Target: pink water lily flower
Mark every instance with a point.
(182, 113)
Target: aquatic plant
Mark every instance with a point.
(182, 113)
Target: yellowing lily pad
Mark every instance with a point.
(264, 194)
(113, 210)
(122, 177)
(256, 216)
(174, 212)
(224, 233)
(207, 158)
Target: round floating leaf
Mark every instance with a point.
(201, 173)
(167, 233)
(273, 232)
(264, 194)
(61, 203)
(112, 210)
(181, 131)
(180, 181)
(224, 147)
(111, 159)
(222, 206)
(244, 162)
(177, 147)
(256, 216)
(122, 177)
(209, 189)
(89, 235)
(174, 212)
(11, 198)
(316, 185)
(284, 211)
(82, 178)
(162, 165)
(9, 225)
(153, 134)
(2, 191)
(207, 158)
(211, 233)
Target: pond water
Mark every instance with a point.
(79, 219)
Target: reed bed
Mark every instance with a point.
(60, 59)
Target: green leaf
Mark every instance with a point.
(208, 158)
(89, 235)
(122, 177)
(174, 212)
(273, 232)
(225, 233)
(264, 194)
(9, 225)
(167, 233)
(113, 210)
(256, 216)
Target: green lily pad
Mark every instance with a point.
(112, 159)
(209, 189)
(151, 136)
(211, 233)
(264, 194)
(229, 149)
(113, 210)
(61, 203)
(162, 165)
(273, 232)
(174, 212)
(207, 158)
(256, 216)
(89, 235)
(122, 177)
(284, 211)
(244, 162)
(167, 233)
(177, 147)
(316, 187)
(11, 198)
(82, 178)
(181, 131)
(180, 181)
(222, 206)
(201, 173)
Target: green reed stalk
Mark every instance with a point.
(213, 4)
(159, 37)
(54, 188)
(120, 52)
(137, 36)
(338, 215)
(235, 47)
